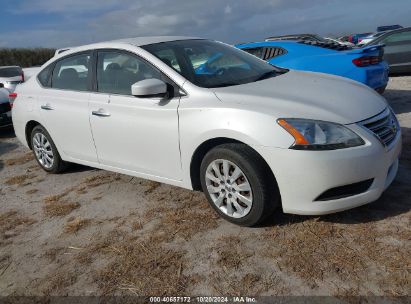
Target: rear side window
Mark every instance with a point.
(44, 76)
(72, 73)
(10, 72)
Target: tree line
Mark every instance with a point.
(25, 57)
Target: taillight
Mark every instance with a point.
(12, 97)
(366, 61)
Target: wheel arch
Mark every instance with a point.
(206, 146)
(30, 125)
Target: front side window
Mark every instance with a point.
(118, 71)
(72, 73)
(211, 64)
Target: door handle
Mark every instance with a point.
(46, 107)
(100, 113)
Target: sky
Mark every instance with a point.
(63, 23)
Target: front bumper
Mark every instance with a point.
(302, 176)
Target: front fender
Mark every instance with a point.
(198, 125)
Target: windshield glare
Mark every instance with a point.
(211, 64)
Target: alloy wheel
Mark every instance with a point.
(229, 188)
(43, 150)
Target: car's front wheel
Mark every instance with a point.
(238, 184)
(45, 151)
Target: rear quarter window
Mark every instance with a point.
(44, 76)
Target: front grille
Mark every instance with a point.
(4, 107)
(384, 126)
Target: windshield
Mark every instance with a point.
(211, 64)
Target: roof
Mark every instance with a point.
(136, 41)
(139, 41)
(9, 66)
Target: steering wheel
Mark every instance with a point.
(220, 71)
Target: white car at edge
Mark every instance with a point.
(203, 115)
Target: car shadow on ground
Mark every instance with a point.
(7, 133)
(76, 168)
(5, 147)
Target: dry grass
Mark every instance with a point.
(10, 222)
(98, 180)
(232, 254)
(75, 225)
(52, 285)
(21, 160)
(32, 191)
(146, 265)
(58, 197)
(320, 252)
(60, 208)
(20, 180)
(53, 253)
(151, 187)
(137, 225)
(140, 267)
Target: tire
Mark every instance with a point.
(46, 150)
(255, 175)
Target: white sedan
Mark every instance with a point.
(203, 115)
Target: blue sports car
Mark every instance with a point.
(365, 64)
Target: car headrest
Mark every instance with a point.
(69, 73)
(113, 66)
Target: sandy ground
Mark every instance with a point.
(91, 232)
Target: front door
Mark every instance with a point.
(131, 133)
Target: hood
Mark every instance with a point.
(307, 95)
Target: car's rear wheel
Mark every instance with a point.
(238, 184)
(45, 151)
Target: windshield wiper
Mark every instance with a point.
(268, 74)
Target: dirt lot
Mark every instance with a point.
(91, 232)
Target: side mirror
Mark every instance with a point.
(149, 88)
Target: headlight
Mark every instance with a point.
(319, 135)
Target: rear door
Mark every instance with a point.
(397, 51)
(132, 133)
(64, 106)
